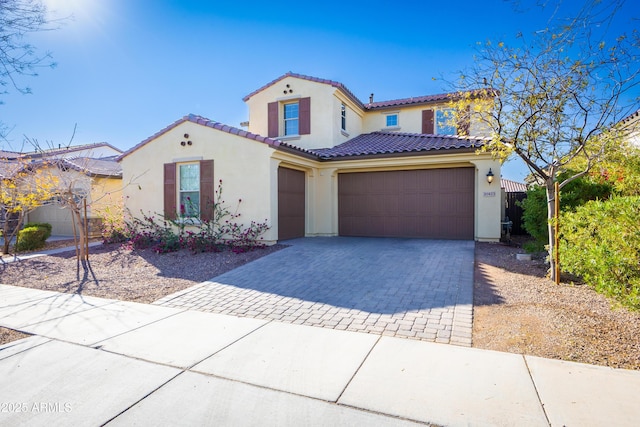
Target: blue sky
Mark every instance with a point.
(128, 68)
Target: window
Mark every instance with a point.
(445, 122)
(291, 117)
(189, 194)
(392, 120)
(343, 117)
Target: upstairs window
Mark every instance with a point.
(445, 122)
(343, 117)
(189, 194)
(392, 120)
(291, 119)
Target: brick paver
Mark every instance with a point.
(414, 288)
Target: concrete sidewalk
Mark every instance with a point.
(95, 361)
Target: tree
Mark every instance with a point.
(23, 188)
(18, 58)
(556, 96)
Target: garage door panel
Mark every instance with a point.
(434, 203)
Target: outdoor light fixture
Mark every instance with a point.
(490, 176)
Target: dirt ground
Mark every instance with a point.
(516, 309)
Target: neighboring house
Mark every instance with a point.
(316, 161)
(99, 180)
(631, 124)
(98, 150)
(89, 170)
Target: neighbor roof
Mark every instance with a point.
(10, 155)
(512, 186)
(95, 167)
(49, 152)
(8, 169)
(633, 116)
(380, 143)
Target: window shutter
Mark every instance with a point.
(464, 123)
(207, 190)
(305, 116)
(272, 120)
(170, 211)
(427, 122)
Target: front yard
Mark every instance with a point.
(516, 309)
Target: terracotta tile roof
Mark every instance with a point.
(333, 83)
(631, 117)
(380, 143)
(512, 186)
(9, 155)
(51, 152)
(9, 168)
(193, 118)
(369, 106)
(408, 101)
(95, 167)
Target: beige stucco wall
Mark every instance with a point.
(325, 112)
(242, 164)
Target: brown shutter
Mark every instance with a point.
(207, 191)
(272, 120)
(305, 116)
(464, 122)
(170, 211)
(427, 122)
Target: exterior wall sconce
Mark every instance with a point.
(490, 176)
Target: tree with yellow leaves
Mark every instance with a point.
(23, 188)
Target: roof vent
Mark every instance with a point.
(371, 99)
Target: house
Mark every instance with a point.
(98, 150)
(89, 170)
(99, 181)
(631, 125)
(317, 161)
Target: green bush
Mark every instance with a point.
(600, 242)
(572, 195)
(44, 225)
(30, 238)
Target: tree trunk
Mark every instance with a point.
(81, 238)
(551, 213)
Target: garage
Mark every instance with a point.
(291, 202)
(424, 203)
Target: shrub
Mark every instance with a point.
(211, 235)
(574, 194)
(32, 237)
(600, 242)
(44, 225)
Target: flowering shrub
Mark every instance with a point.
(166, 235)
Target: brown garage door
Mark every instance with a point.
(430, 203)
(290, 204)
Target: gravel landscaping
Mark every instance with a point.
(516, 309)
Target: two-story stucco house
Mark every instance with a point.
(317, 161)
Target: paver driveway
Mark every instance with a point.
(402, 287)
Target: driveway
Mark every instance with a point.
(413, 288)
